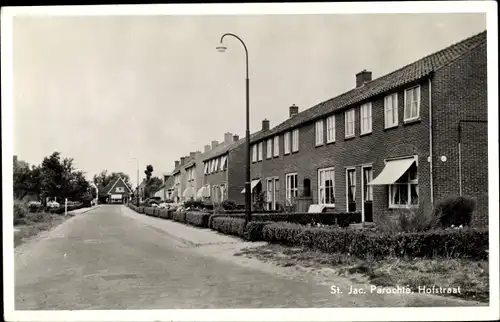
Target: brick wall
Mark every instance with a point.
(460, 93)
(236, 174)
(403, 140)
(216, 179)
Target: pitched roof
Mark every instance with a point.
(224, 148)
(110, 186)
(400, 77)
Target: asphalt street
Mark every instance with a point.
(105, 259)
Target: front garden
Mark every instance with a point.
(433, 248)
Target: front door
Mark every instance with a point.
(272, 193)
(367, 194)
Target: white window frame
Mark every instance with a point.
(276, 147)
(259, 154)
(409, 183)
(274, 193)
(254, 153)
(205, 165)
(216, 166)
(295, 140)
(319, 133)
(330, 129)
(347, 170)
(120, 189)
(290, 191)
(222, 188)
(286, 142)
(389, 107)
(365, 118)
(223, 165)
(322, 186)
(269, 149)
(417, 102)
(348, 115)
(369, 188)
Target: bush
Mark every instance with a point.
(179, 216)
(253, 230)
(163, 213)
(193, 204)
(343, 219)
(228, 205)
(35, 206)
(455, 210)
(212, 217)
(20, 212)
(229, 226)
(462, 243)
(199, 219)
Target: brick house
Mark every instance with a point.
(183, 182)
(389, 143)
(224, 169)
(116, 192)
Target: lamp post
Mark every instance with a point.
(248, 200)
(137, 190)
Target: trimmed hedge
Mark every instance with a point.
(229, 226)
(254, 230)
(60, 210)
(199, 219)
(469, 243)
(179, 216)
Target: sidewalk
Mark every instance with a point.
(188, 235)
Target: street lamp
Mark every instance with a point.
(248, 200)
(137, 190)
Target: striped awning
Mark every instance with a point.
(252, 185)
(392, 171)
(200, 192)
(188, 192)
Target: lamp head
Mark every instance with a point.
(221, 48)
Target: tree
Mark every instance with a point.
(148, 172)
(26, 181)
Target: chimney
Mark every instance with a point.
(236, 138)
(182, 160)
(294, 110)
(363, 77)
(214, 144)
(192, 155)
(176, 163)
(228, 137)
(207, 148)
(265, 125)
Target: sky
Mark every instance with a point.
(106, 89)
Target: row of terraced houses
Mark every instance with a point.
(409, 138)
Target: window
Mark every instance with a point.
(205, 170)
(120, 189)
(391, 110)
(223, 192)
(326, 186)
(330, 129)
(366, 118)
(254, 153)
(216, 166)
(319, 132)
(224, 163)
(276, 146)
(367, 189)
(269, 150)
(272, 192)
(259, 155)
(404, 192)
(295, 140)
(349, 123)
(286, 143)
(412, 103)
(351, 189)
(291, 186)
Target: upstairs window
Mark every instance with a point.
(391, 110)
(366, 118)
(295, 140)
(254, 153)
(412, 103)
(330, 129)
(319, 132)
(349, 123)
(286, 142)
(276, 146)
(259, 156)
(269, 149)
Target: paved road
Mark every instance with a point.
(105, 260)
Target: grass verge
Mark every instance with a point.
(34, 223)
(471, 276)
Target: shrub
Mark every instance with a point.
(455, 210)
(20, 212)
(163, 213)
(193, 204)
(228, 205)
(179, 216)
(342, 219)
(39, 217)
(229, 226)
(463, 243)
(199, 219)
(253, 230)
(140, 209)
(35, 206)
(212, 217)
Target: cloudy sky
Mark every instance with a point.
(105, 89)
